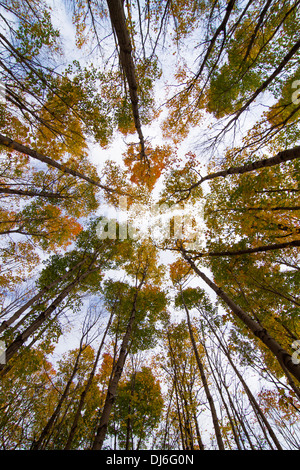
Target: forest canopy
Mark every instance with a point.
(149, 224)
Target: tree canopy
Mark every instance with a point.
(149, 179)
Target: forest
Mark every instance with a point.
(149, 225)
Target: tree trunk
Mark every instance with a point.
(249, 394)
(22, 337)
(11, 144)
(128, 424)
(36, 445)
(283, 356)
(204, 381)
(200, 443)
(6, 323)
(118, 21)
(113, 385)
(87, 387)
(230, 418)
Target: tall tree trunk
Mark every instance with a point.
(22, 337)
(6, 323)
(283, 356)
(284, 156)
(249, 394)
(36, 445)
(87, 387)
(204, 381)
(199, 439)
(11, 144)
(230, 418)
(183, 442)
(128, 423)
(113, 385)
(118, 21)
(166, 429)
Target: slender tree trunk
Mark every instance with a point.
(183, 443)
(283, 356)
(182, 407)
(22, 337)
(128, 424)
(187, 418)
(166, 432)
(87, 387)
(230, 418)
(11, 144)
(118, 21)
(5, 324)
(249, 394)
(199, 439)
(140, 439)
(204, 381)
(241, 419)
(36, 445)
(113, 385)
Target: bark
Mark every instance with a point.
(118, 21)
(257, 329)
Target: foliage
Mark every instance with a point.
(177, 104)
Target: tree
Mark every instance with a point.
(137, 409)
(174, 127)
(142, 269)
(87, 263)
